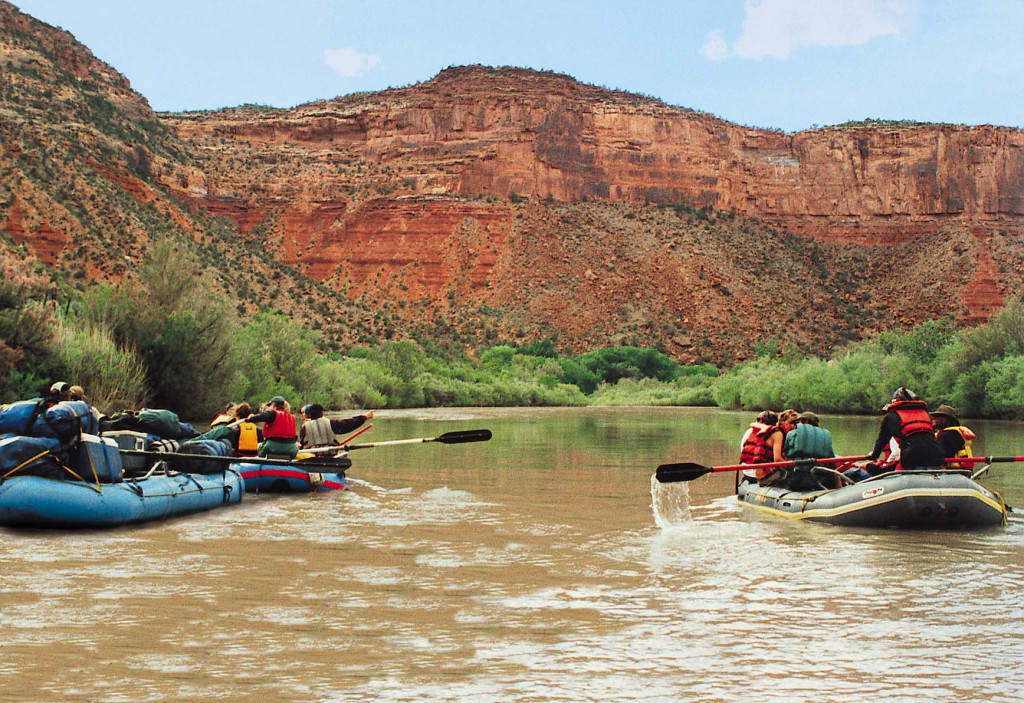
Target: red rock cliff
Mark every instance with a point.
(480, 133)
(502, 131)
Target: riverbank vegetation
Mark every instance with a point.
(167, 341)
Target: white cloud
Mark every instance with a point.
(775, 28)
(715, 47)
(349, 63)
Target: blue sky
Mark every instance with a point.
(787, 64)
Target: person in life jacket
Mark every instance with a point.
(279, 435)
(247, 441)
(320, 431)
(775, 439)
(907, 420)
(225, 417)
(754, 446)
(316, 431)
(807, 440)
(954, 438)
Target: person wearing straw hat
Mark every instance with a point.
(955, 438)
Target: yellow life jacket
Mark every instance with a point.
(248, 441)
(968, 435)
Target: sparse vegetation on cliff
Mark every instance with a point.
(167, 341)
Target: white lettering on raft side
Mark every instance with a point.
(872, 492)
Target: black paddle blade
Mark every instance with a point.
(464, 436)
(674, 473)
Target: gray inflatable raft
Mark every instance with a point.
(922, 500)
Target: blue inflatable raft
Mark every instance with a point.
(47, 483)
(34, 501)
(274, 478)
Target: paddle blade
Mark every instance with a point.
(464, 436)
(674, 473)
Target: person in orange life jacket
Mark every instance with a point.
(279, 435)
(775, 440)
(954, 438)
(907, 420)
(753, 448)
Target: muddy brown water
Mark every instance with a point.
(540, 566)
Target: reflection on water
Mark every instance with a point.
(540, 566)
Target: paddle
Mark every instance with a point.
(673, 473)
(336, 467)
(979, 459)
(447, 438)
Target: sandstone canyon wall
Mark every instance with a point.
(493, 204)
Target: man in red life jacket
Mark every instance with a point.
(279, 435)
(907, 420)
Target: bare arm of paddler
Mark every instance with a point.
(775, 443)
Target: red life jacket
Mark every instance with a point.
(757, 442)
(281, 428)
(914, 418)
(754, 449)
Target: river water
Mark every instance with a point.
(542, 565)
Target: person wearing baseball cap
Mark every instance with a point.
(279, 435)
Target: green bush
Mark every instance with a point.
(611, 365)
(114, 378)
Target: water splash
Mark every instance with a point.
(670, 502)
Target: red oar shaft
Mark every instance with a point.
(784, 464)
(980, 459)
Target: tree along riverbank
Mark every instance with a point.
(168, 342)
